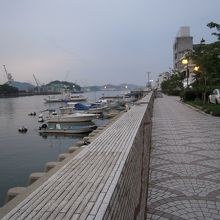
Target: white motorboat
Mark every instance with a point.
(109, 103)
(70, 118)
(77, 98)
(66, 96)
(62, 129)
(53, 98)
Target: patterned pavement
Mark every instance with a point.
(185, 163)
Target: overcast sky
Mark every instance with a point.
(96, 41)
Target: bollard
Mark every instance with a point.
(13, 192)
(34, 177)
(72, 149)
(63, 156)
(79, 143)
(100, 128)
(50, 165)
(92, 134)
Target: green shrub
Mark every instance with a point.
(209, 108)
(188, 95)
(173, 92)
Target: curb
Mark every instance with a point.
(195, 109)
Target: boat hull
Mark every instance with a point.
(67, 131)
(72, 119)
(68, 99)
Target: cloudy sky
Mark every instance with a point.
(96, 41)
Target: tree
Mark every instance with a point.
(217, 26)
(64, 84)
(173, 85)
(6, 89)
(206, 56)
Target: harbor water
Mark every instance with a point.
(24, 153)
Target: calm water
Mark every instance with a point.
(23, 154)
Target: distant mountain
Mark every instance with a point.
(22, 85)
(73, 87)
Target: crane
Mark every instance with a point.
(9, 76)
(37, 82)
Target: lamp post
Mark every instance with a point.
(196, 71)
(196, 68)
(148, 79)
(186, 62)
(125, 89)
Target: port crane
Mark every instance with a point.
(9, 76)
(37, 82)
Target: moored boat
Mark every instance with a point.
(77, 98)
(65, 96)
(73, 107)
(70, 118)
(63, 129)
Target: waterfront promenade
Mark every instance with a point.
(107, 179)
(185, 163)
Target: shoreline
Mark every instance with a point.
(62, 160)
(22, 94)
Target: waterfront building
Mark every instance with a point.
(182, 44)
(163, 76)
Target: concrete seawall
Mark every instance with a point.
(105, 180)
(129, 192)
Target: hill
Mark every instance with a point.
(22, 85)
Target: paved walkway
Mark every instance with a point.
(185, 163)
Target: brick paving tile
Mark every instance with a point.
(185, 163)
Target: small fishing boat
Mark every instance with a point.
(63, 129)
(70, 118)
(109, 102)
(89, 108)
(72, 107)
(77, 98)
(22, 129)
(65, 96)
(40, 118)
(32, 114)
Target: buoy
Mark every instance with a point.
(23, 129)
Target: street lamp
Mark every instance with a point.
(186, 62)
(196, 71)
(196, 68)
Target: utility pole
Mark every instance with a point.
(148, 79)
